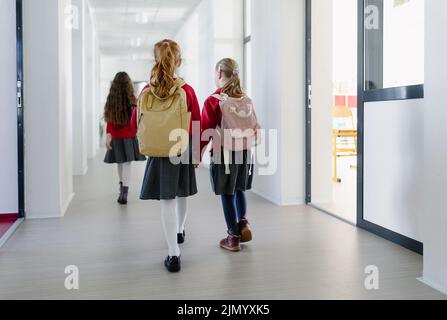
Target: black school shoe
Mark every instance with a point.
(123, 195)
(181, 237)
(172, 264)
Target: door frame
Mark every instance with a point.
(401, 93)
(389, 94)
(20, 112)
(308, 101)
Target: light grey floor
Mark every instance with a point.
(298, 252)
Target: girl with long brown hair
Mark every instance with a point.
(122, 144)
(166, 180)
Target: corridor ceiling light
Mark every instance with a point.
(142, 56)
(170, 14)
(142, 18)
(135, 43)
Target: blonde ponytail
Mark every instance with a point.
(167, 58)
(230, 69)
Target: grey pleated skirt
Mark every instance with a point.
(240, 177)
(124, 150)
(166, 180)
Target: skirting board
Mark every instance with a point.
(282, 203)
(43, 216)
(266, 197)
(321, 201)
(290, 202)
(10, 232)
(432, 285)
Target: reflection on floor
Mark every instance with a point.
(297, 252)
(345, 192)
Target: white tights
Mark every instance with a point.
(173, 216)
(124, 172)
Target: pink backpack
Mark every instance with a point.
(238, 130)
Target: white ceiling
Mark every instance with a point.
(130, 28)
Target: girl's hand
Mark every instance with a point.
(109, 142)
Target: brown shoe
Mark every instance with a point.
(231, 243)
(246, 234)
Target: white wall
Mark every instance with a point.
(138, 70)
(79, 100)
(91, 124)
(66, 107)
(47, 54)
(292, 158)
(433, 219)
(278, 93)
(393, 165)
(266, 87)
(208, 36)
(322, 101)
(8, 110)
(98, 108)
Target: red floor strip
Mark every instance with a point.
(6, 222)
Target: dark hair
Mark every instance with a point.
(121, 100)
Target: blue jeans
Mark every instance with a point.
(235, 209)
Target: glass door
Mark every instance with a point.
(391, 92)
(332, 107)
(384, 39)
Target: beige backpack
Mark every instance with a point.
(164, 123)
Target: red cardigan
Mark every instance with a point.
(123, 132)
(211, 115)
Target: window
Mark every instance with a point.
(247, 46)
(394, 43)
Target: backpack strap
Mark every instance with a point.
(178, 84)
(226, 156)
(221, 97)
(143, 94)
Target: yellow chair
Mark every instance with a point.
(344, 140)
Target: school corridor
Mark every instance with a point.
(347, 199)
(297, 252)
